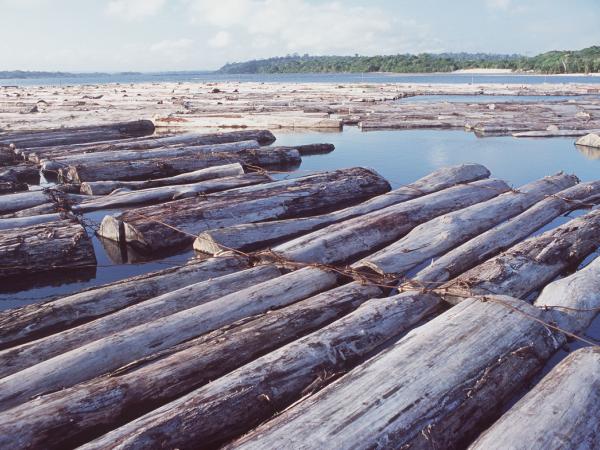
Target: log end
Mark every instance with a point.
(112, 228)
(205, 243)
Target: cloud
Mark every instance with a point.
(134, 9)
(220, 40)
(169, 45)
(503, 5)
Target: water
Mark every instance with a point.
(399, 156)
(302, 78)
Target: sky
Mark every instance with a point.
(165, 35)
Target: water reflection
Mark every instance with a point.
(589, 152)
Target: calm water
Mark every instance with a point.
(399, 156)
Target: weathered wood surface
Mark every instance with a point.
(12, 203)
(106, 187)
(553, 133)
(361, 235)
(145, 228)
(314, 149)
(167, 193)
(10, 187)
(589, 140)
(436, 386)
(164, 167)
(39, 319)
(574, 301)
(22, 222)
(236, 402)
(143, 386)
(44, 208)
(116, 350)
(445, 232)
(257, 235)
(530, 263)
(502, 237)
(62, 244)
(561, 411)
(270, 121)
(22, 173)
(34, 352)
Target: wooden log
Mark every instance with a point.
(137, 155)
(40, 319)
(10, 187)
(145, 228)
(522, 268)
(34, 352)
(553, 133)
(24, 200)
(241, 399)
(164, 167)
(257, 235)
(445, 232)
(450, 376)
(502, 237)
(347, 240)
(22, 173)
(314, 149)
(44, 208)
(62, 244)
(116, 350)
(168, 193)
(250, 120)
(106, 187)
(139, 388)
(561, 411)
(22, 222)
(573, 301)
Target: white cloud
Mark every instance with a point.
(134, 9)
(499, 4)
(169, 45)
(220, 40)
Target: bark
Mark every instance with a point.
(365, 234)
(314, 149)
(445, 232)
(139, 388)
(22, 173)
(44, 208)
(22, 222)
(12, 203)
(561, 411)
(449, 377)
(258, 235)
(116, 350)
(149, 229)
(10, 187)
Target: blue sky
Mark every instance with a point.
(155, 35)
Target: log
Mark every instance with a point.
(244, 121)
(136, 389)
(22, 173)
(44, 208)
(361, 235)
(22, 222)
(314, 149)
(168, 193)
(116, 350)
(561, 411)
(165, 167)
(572, 302)
(538, 260)
(502, 237)
(10, 187)
(253, 236)
(210, 173)
(445, 232)
(145, 229)
(236, 402)
(34, 352)
(49, 246)
(450, 376)
(37, 320)
(12, 203)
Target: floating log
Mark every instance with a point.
(270, 121)
(502, 237)
(158, 380)
(530, 263)
(145, 228)
(450, 376)
(22, 173)
(10, 187)
(62, 244)
(314, 149)
(561, 411)
(168, 193)
(257, 235)
(574, 301)
(36, 320)
(22, 222)
(352, 238)
(44, 208)
(34, 352)
(445, 232)
(165, 167)
(553, 133)
(116, 350)
(23, 200)
(106, 187)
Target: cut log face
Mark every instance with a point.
(36, 320)
(116, 350)
(45, 247)
(502, 237)
(574, 301)
(532, 263)
(257, 235)
(450, 376)
(445, 232)
(352, 238)
(155, 227)
(161, 379)
(561, 411)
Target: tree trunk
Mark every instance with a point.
(22, 222)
